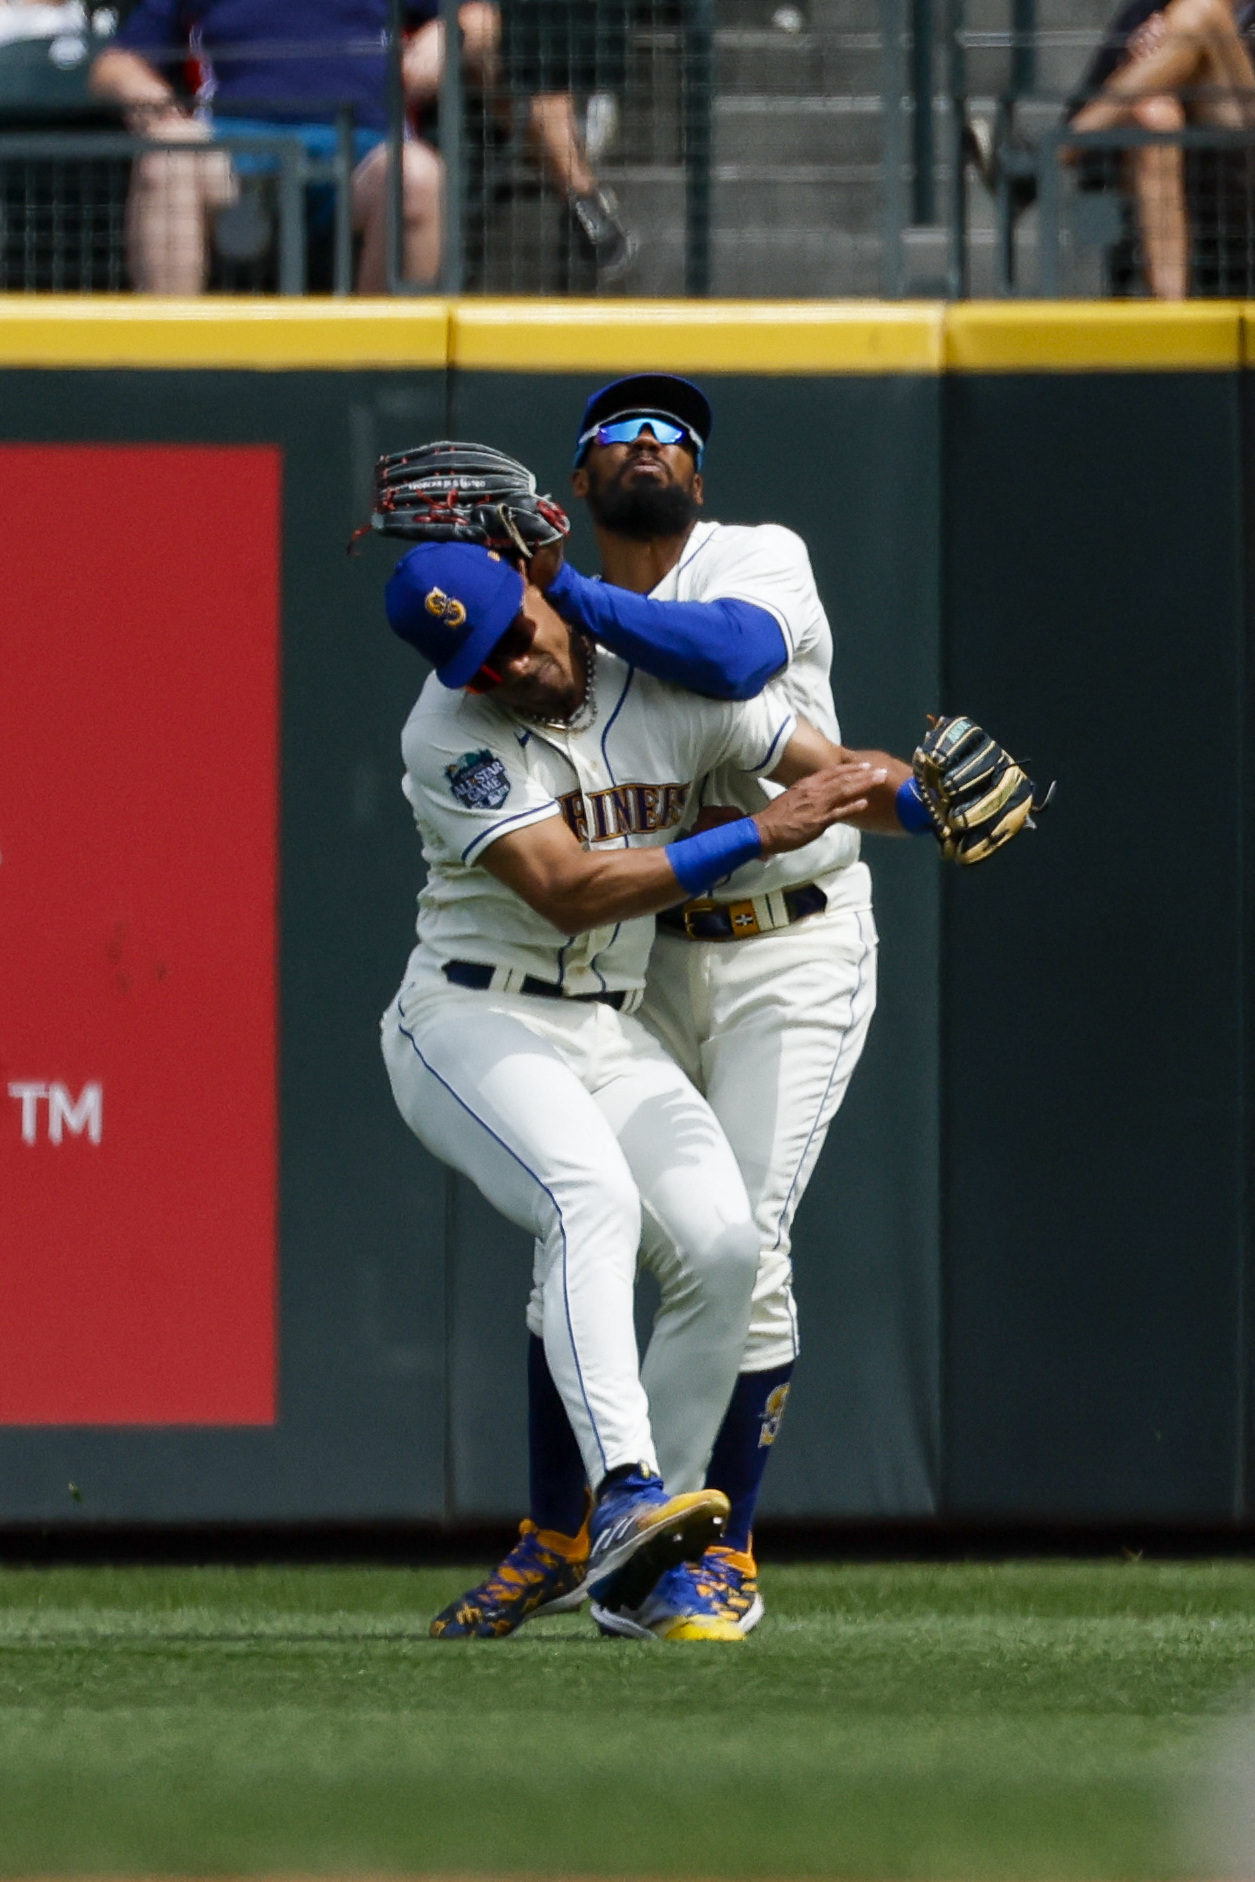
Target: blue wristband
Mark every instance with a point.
(911, 808)
(701, 861)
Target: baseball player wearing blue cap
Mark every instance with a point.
(550, 778)
(775, 966)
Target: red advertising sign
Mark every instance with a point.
(139, 708)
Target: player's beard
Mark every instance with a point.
(641, 510)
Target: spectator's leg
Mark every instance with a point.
(481, 43)
(422, 175)
(171, 197)
(1159, 192)
(594, 210)
(556, 136)
(1225, 73)
(423, 62)
(1191, 45)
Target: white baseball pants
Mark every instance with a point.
(574, 1123)
(770, 1030)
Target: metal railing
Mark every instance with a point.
(63, 211)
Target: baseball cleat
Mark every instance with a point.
(638, 1532)
(693, 1601)
(729, 1578)
(544, 1573)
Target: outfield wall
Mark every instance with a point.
(237, 1290)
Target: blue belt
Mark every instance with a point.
(476, 974)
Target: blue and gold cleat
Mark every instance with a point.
(544, 1573)
(714, 1599)
(637, 1532)
(729, 1578)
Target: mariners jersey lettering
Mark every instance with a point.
(768, 565)
(621, 777)
(624, 810)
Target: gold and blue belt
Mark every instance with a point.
(704, 920)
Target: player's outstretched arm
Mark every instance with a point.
(577, 889)
(724, 649)
(962, 786)
(808, 754)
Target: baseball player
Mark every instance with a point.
(549, 777)
(769, 975)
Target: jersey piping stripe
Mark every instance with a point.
(789, 725)
(705, 542)
(540, 1184)
(535, 815)
(864, 957)
(627, 687)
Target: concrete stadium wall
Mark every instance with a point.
(1022, 1260)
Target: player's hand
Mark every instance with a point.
(810, 806)
(544, 564)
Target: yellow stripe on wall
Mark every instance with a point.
(1093, 336)
(697, 336)
(525, 336)
(217, 331)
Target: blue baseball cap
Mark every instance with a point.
(647, 394)
(453, 601)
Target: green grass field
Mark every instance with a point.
(1008, 1721)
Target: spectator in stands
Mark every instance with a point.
(550, 60)
(268, 66)
(1162, 67)
(40, 19)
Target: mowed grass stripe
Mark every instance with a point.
(1026, 1720)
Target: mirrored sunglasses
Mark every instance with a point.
(628, 430)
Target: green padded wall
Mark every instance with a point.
(1023, 1266)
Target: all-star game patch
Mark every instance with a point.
(479, 780)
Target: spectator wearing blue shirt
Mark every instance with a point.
(266, 66)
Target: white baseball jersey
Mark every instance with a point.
(622, 776)
(768, 566)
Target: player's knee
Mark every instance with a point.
(728, 1264)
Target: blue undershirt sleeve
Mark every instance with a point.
(725, 649)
